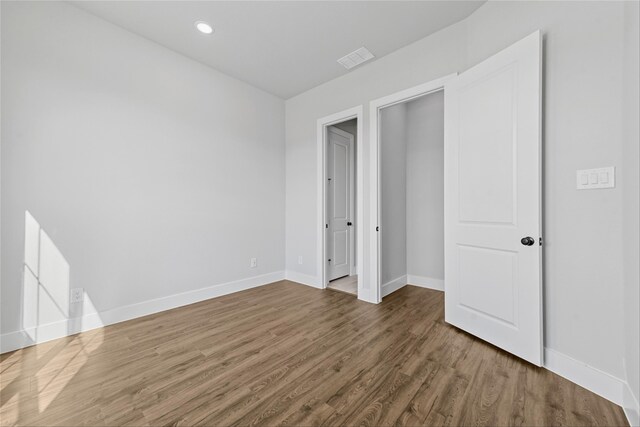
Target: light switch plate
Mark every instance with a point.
(590, 179)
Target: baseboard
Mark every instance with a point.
(394, 285)
(593, 379)
(630, 406)
(302, 278)
(20, 339)
(425, 282)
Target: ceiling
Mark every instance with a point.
(282, 47)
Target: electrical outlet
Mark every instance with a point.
(300, 259)
(253, 263)
(76, 295)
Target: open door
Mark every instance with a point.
(339, 201)
(493, 286)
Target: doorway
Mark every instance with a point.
(340, 206)
(389, 164)
(340, 187)
(492, 198)
(412, 193)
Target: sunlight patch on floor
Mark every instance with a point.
(62, 368)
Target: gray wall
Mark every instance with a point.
(583, 282)
(425, 186)
(151, 173)
(631, 187)
(393, 193)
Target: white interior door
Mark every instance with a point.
(339, 194)
(492, 200)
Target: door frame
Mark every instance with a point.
(352, 179)
(375, 107)
(321, 146)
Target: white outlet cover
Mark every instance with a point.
(76, 295)
(253, 263)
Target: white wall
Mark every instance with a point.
(630, 183)
(393, 193)
(425, 186)
(152, 174)
(583, 235)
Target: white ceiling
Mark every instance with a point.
(283, 47)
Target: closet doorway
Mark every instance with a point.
(407, 198)
(412, 193)
(340, 187)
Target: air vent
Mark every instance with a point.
(355, 58)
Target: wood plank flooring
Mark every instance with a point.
(287, 354)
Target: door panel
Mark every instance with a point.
(339, 180)
(492, 200)
(486, 115)
(486, 282)
(340, 153)
(340, 251)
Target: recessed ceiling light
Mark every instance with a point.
(203, 27)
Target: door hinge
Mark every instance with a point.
(377, 228)
(541, 241)
(326, 226)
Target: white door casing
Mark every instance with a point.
(339, 202)
(322, 125)
(375, 295)
(493, 286)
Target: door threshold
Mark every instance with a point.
(346, 285)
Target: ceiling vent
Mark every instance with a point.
(355, 58)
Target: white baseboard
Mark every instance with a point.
(630, 406)
(302, 278)
(593, 379)
(20, 339)
(393, 285)
(425, 282)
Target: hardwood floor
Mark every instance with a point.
(287, 354)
